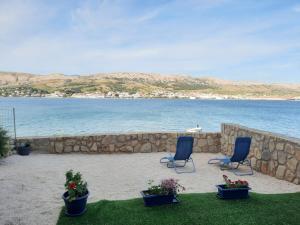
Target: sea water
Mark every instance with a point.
(70, 116)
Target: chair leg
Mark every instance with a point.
(213, 161)
(166, 159)
(248, 162)
(173, 164)
(229, 166)
(193, 170)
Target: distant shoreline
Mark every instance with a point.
(162, 98)
(124, 85)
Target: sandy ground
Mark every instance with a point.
(31, 187)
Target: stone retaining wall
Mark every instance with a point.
(127, 143)
(270, 153)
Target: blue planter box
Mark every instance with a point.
(232, 193)
(76, 207)
(153, 200)
(24, 149)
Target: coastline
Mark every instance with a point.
(171, 98)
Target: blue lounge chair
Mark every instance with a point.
(184, 149)
(239, 157)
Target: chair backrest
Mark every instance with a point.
(241, 149)
(184, 148)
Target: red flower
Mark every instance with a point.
(72, 185)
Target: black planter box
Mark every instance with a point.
(232, 193)
(24, 149)
(76, 207)
(154, 200)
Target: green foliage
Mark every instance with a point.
(235, 184)
(22, 90)
(167, 186)
(153, 189)
(75, 186)
(190, 86)
(4, 139)
(194, 209)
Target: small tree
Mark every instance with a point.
(3, 142)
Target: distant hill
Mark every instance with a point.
(15, 84)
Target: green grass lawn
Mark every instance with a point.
(194, 209)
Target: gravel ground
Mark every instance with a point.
(31, 187)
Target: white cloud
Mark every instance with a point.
(296, 8)
(109, 15)
(14, 16)
(105, 36)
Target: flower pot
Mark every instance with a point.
(76, 207)
(24, 149)
(232, 193)
(153, 200)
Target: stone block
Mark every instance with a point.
(264, 167)
(121, 138)
(253, 162)
(196, 149)
(280, 172)
(146, 137)
(289, 149)
(280, 146)
(134, 143)
(212, 148)
(94, 147)
(210, 140)
(204, 149)
(70, 142)
(271, 145)
(257, 153)
(266, 155)
(164, 136)
(84, 149)
(297, 154)
(129, 148)
(154, 148)
(272, 168)
(258, 165)
(298, 171)
(111, 147)
(128, 137)
(68, 149)
(146, 147)
(282, 157)
(289, 176)
(76, 148)
(140, 136)
(202, 142)
(292, 164)
(106, 140)
(59, 147)
(275, 155)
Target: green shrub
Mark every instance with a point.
(75, 186)
(3, 142)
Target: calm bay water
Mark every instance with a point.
(43, 116)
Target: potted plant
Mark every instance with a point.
(76, 194)
(233, 189)
(24, 149)
(4, 140)
(164, 193)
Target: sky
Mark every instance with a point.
(228, 39)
